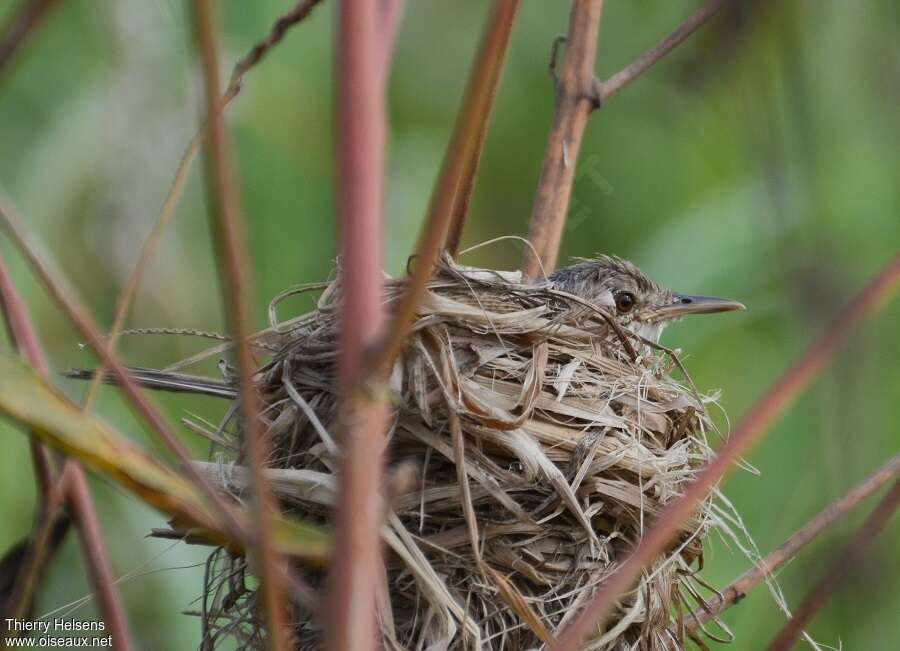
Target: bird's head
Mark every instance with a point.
(640, 304)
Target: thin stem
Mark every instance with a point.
(853, 555)
(789, 549)
(603, 90)
(361, 137)
(148, 250)
(574, 104)
(498, 31)
(230, 238)
(96, 554)
(18, 326)
(66, 297)
(300, 12)
(282, 25)
(769, 407)
(41, 546)
(20, 28)
(71, 484)
(460, 161)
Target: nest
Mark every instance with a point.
(544, 441)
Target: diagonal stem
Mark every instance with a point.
(853, 555)
(789, 549)
(498, 31)
(71, 484)
(302, 10)
(460, 163)
(20, 28)
(579, 93)
(67, 299)
(603, 90)
(766, 410)
(230, 239)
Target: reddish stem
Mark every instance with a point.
(72, 484)
(852, 556)
(772, 404)
(789, 549)
(496, 37)
(459, 161)
(234, 267)
(15, 315)
(361, 134)
(67, 299)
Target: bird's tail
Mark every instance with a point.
(165, 381)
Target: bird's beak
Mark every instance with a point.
(685, 304)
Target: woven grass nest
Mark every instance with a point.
(574, 437)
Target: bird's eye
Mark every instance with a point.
(624, 302)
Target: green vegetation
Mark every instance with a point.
(759, 162)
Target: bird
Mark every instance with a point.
(640, 304)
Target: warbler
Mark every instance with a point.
(641, 305)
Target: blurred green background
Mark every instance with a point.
(759, 161)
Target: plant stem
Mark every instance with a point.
(234, 267)
(603, 90)
(71, 485)
(460, 163)
(67, 299)
(496, 43)
(361, 137)
(574, 104)
(768, 408)
(852, 556)
(789, 549)
(282, 25)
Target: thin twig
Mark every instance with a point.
(71, 484)
(603, 90)
(854, 553)
(361, 138)
(20, 28)
(769, 407)
(279, 29)
(499, 30)
(460, 159)
(741, 586)
(148, 250)
(234, 267)
(66, 297)
(576, 98)
(574, 104)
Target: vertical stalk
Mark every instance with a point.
(574, 103)
(361, 127)
(234, 266)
